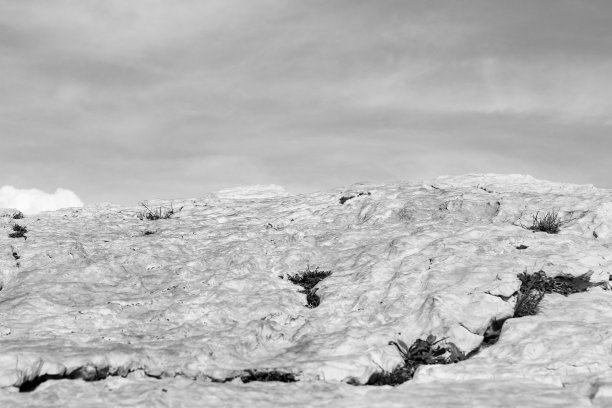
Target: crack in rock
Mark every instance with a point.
(421, 352)
(92, 373)
(530, 294)
(85, 373)
(260, 376)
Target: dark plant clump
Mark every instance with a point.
(491, 335)
(522, 247)
(532, 291)
(19, 232)
(421, 352)
(549, 223)
(156, 214)
(259, 375)
(344, 199)
(254, 375)
(308, 280)
(147, 232)
(17, 215)
(535, 286)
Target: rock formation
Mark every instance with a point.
(115, 306)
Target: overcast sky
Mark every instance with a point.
(123, 101)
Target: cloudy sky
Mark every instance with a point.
(128, 100)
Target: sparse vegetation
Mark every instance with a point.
(532, 291)
(160, 213)
(17, 215)
(308, 280)
(522, 247)
(147, 232)
(344, 199)
(550, 222)
(19, 232)
(421, 352)
(273, 375)
(535, 286)
(259, 375)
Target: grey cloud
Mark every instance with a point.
(303, 94)
(93, 72)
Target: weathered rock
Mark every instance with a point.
(199, 298)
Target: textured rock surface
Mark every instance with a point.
(157, 316)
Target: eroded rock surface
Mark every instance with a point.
(161, 312)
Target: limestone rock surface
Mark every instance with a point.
(104, 307)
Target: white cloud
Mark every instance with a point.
(32, 201)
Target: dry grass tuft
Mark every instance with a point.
(156, 214)
(308, 280)
(550, 222)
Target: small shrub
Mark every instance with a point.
(421, 352)
(549, 223)
(532, 291)
(535, 286)
(156, 214)
(308, 280)
(19, 232)
(147, 232)
(522, 247)
(17, 215)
